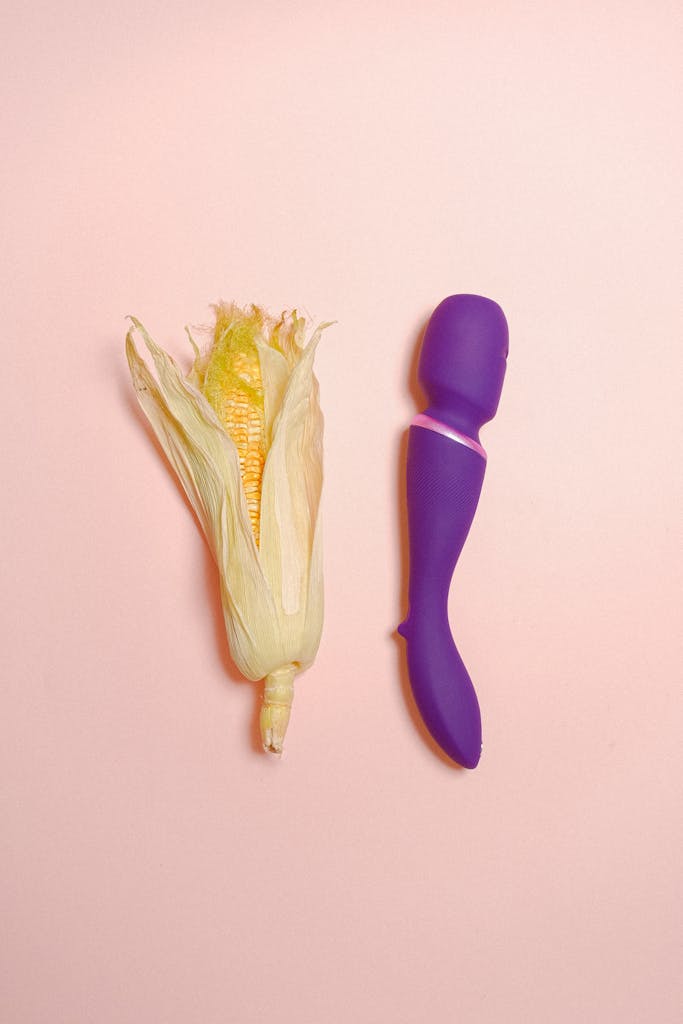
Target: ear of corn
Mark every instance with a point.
(243, 431)
(233, 385)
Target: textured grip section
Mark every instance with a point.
(444, 482)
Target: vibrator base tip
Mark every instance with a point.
(465, 755)
(470, 762)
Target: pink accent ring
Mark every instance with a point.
(422, 420)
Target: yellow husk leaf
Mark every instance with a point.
(272, 593)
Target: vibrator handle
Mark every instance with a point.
(445, 472)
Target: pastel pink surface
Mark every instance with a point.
(362, 162)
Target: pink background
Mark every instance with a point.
(362, 161)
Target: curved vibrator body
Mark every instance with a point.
(462, 366)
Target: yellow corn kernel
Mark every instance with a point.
(233, 385)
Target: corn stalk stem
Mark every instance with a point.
(277, 703)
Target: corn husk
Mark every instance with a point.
(271, 591)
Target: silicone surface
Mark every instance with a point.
(462, 366)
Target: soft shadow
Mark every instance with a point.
(128, 400)
(418, 397)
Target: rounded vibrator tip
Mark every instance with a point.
(467, 318)
(463, 359)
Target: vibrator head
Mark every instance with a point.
(463, 360)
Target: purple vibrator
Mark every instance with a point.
(461, 369)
